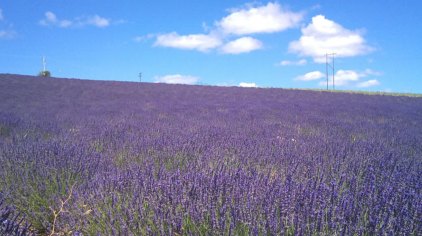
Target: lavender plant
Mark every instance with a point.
(163, 159)
(11, 222)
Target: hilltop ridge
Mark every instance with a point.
(17, 76)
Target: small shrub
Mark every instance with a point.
(44, 73)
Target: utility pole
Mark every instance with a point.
(327, 65)
(334, 84)
(140, 77)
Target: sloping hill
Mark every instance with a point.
(143, 158)
(79, 96)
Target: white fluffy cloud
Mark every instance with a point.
(97, 21)
(325, 36)
(200, 42)
(368, 83)
(351, 77)
(247, 85)
(314, 75)
(241, 45)
(268, 18)
(343, 77)
(50, 19)
(177, 79)
(264, 19)
(300, 62)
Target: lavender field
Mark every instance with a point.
(117, 158)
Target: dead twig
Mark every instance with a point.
(56, 214)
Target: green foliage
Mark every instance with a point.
(5, 131)
(44, 73)
(35, 201)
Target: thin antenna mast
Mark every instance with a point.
(43, 63)
(140, 77)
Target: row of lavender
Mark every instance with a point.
(114, 158)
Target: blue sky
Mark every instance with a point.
(226, 43)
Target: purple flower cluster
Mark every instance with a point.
(156, 159)
(11, 223)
